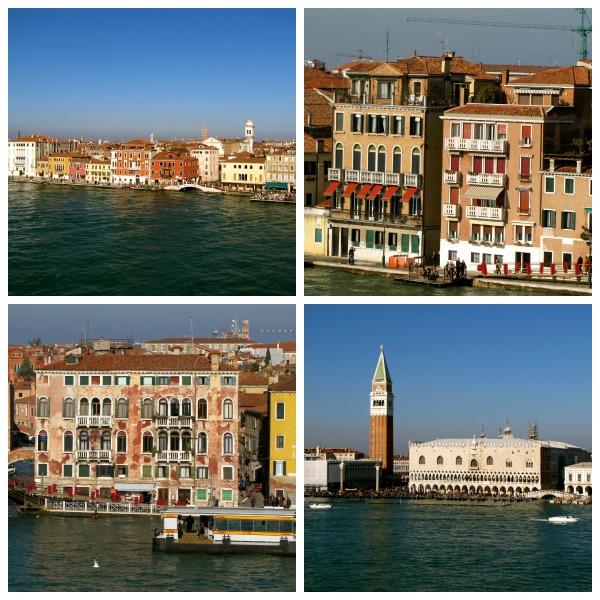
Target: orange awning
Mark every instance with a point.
(348, 191)
(332, 187)
(363, 190)
(391, 190)
(376, 189)
(408, 194)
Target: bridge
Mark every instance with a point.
(544, 493)
(20, 454)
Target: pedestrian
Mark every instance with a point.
(586, 263)
(580, 263)
(189, 523)
(498, 264)
(351, 255)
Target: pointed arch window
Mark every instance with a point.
(228, 443)
(147, 408)
(202, 409)
(68, 441)
(106, 406)
(228, 409)
(202, 443)
(122, 408)
(42, 440)
(84, 440)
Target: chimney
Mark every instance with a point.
(215, 358)
(579, 167)
(504, 77)
(222, 333)
(446, 59)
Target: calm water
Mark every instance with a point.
(56, 554)
(66, 240)
(325, 281)
(453, 546)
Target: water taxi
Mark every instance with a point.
(227, 530)
(319, 505)
(562, 520)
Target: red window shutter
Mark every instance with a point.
(489, 165)
(454, 162)
(477, 164)
(454, 196)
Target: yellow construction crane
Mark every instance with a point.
(583, 30)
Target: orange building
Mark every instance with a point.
(172, 168)
(130, 162)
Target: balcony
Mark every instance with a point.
(335, 174)
(451, 210)
(174, 422)
(385, 219)
(174, 456)
(95, 421)
(491, 213)
(452, 177)
(89, 455)
(455, 143)
(499, 179)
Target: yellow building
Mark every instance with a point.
(243, 172)
(98, 170)
(316, 229)
(59, 164)
(42, 168)
(282, 438)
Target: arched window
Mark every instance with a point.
(174, 407)
(186, 441)
(68, 408)
(415, 163)
(106, 404)
(147, 442)
(228, 443)
(459, 460)
(397, 160)
(356, 157)
(121, 441)
(95, 407)
(42, 441)
(68, 441)
(122, 408)
(186, 407)
(371, 158)
(529, 463)
(339, 156)
(84, 407)
(381, 159)
(105, 441)
(163, 441)
(147, 408)
(490, 461)
(421, 460)
(174, 445)
(43, 407)
(228, 408)
(202, 409)
(202, 443)
(84, 440)
(440, 460)
(474, 463)
(163, 407)
(508, 463)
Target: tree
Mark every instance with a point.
(26, 371)
(36, 343)
(492, 95)
(268, 357)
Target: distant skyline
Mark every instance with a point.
(337, 36)
(119, 74)
(454, 368)
(66, 323)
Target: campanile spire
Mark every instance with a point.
(382, 416)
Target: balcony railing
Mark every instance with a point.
(375, 177)
(487, 179)
(104, 455)
(455, 143)
(174, 421)
(174, 456)
(451, 210)
(452, 177)
(355, 215)
(335, 174)
(493, 213)
(95, 421)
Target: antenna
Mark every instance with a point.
(387, 46)
(192, 331)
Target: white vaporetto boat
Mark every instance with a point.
(319, 505)
(562, 520)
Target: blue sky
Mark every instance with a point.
(454, 367)
(121, 73)
(63, 323)
(352, 31)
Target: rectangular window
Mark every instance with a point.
(339, 122)
(84, 470)
(42, 470)
(524, 207)
(568, 259)
(227, 495)
(69, 379)
(567, 219)
(106, 379)
(279, 467)
(547, 259)
(122, 380)
(185, 471)
(163, 380)
(549, 185)
(186, 379)
(405, 241)
(415, 126)
(202, 472)
(203, 380)
(569, 185)
(548, 218)
(279, 442)
(475, 258)
(452, 254)
(487, 259)
(280, 410)
(228, 473)
(356, 124)
(398, 125)
(414, 244)
(385, 90)
(201, 494)
(84, 380)
(227, 380)
(67, 470)
(147, 380)
(146, 471)
(105, 471)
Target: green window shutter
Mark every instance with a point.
(405, 242)
(84, 470)
(284, 467)
(178, 471)
(370, 238)
(147, 471)
(227, 495)
(414, 244)
(201, 494)
(402, 125)
(318, 235)
(186, 380)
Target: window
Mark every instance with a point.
(203, 409)
(121, 441)
(146, 471)
(122, 408)
(67, 470)
(68, 408)
(84, 380)
(84, 470)
(280, 442)
(227, 380)
(202, 472)
(162, 471)
(227, 495)
(147, 380)
(121, 470)
(525, 135)
(69, 379)
(202, 380)
(529, 463)
(280, 410)
(490, 461)
(105, 471)
(106, 379)
(228, 473)
(377, 123)
(147, 408)
(43, 408)
(105, 441)
(385, 90)
(398, 124)
(548, 218)
(474, 463)
(185, 471)
(279, 467)
(549, 185)
(459, 460)
(186, 407)
(68, 441)
(339, 122)
(440, 460)
(121, 380)
(202, 443)
(42, 470)
(147, 442)
(567, 219)
(415, 126)
(228, 409)
(356, 123)
(421, 460)
(569, 185)
(318, 235)
(339, 156)
(84, 440)
(475, 257)
(228, 443)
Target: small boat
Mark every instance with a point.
(11, 471)
(319, 505)
(562, 520)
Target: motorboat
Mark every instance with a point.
(562, 520)
(319, 505)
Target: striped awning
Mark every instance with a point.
(408, 194)
(373, 193)
(348, 191)
(483, 192)
(363, 190)
(332, 187)
(134, 487)
(390, 191)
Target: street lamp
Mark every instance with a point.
(383, 248)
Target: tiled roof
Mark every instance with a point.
(310, 144)
(251, 378)
(315, 78)
(125, 363)
(256, 402)
(285, 384)
(565, 76)
(504, 110)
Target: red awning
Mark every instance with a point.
(408, 194)
(332, 187)
(376, 189)
(348, 191)
(363, 190)
(391, 190)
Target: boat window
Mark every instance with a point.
(286, 526)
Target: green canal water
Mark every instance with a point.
(417, 546)
(81, 241)
(327, 281)
(56, 554)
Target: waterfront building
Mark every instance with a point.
(323, 472)
(282, 438)
(208, 162)
(384, 187)
(173, 168)
(24, 404)
(492, 182)
(42, 168)
(98, 170)
(140, 423)
(280, 170)
(24, 153)
(381, 434)
(131, 162)
(78, 168)
(254, 440)
(243, 172)
(506, 465)
(578, 479)
(60, 164)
